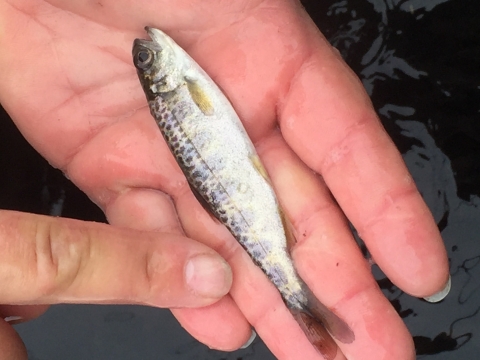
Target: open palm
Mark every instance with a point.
(70, 86)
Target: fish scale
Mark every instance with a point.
(171, 110)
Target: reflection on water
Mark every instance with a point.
(419, 61)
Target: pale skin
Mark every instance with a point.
(69, 84)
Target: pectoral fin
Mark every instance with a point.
(199, 97)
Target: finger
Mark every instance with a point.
(144, 210)
(363, 169)
(51, 260)
(11, 345)
(329, 260)
(221, 325)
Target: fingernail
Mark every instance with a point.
(441, 294)
(10, 319)
(250, 340)
(208, 275)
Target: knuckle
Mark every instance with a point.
(58, 257)
(160, 279)
(154, 262)
(344, 146)
(309, 222)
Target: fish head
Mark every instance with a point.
(159, 65)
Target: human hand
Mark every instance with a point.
(48, 260)
(69, 84)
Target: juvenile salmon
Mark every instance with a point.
(217, 157)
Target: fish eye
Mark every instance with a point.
(144, 58)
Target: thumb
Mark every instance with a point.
(52, 260)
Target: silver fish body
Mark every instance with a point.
(219, 160)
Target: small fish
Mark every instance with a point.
(224, 171)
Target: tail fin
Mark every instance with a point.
(315, 320)
(316, 334)
(335, 326)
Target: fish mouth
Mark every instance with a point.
(142, 43)
(146, 42)
(151, 32)
(157, 40)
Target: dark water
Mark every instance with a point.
(420, 62)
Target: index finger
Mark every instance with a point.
(363, 170)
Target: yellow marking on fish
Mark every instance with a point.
(257, 164)
(199, 97)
